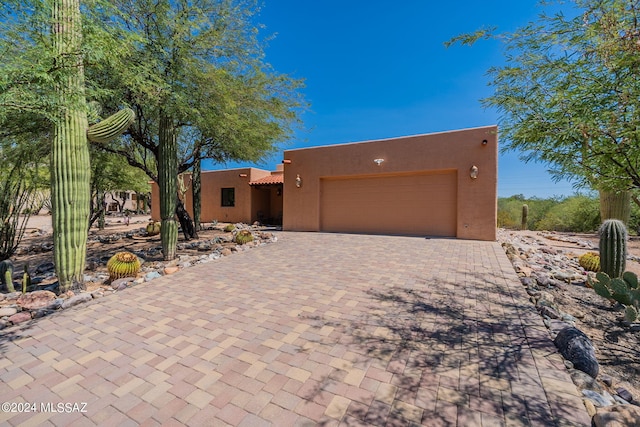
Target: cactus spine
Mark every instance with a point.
(111, 127)
(168, 185)
(70, 168)
(613, 247)
(525, 216)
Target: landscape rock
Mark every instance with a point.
(599, 399)
(152, 275)
(77, 299)
(575, 346)
(45, 267)
(35, 300)
(124, 280)
(12, 296)
(585, 381)
(625, 394)
(171, 270)
(21, 317)
(617, 416)
(549, 312)
(591, 408)
(607, 380)
(8, 311)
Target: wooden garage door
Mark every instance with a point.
(416, 204)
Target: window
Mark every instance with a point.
(228, 197)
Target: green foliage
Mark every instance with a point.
(123, 264)
(6, 275)
(590, 261)
(576, 213)
(613, 247)
(244, 236)
(16, 197)
(568, 92)
(624, 290)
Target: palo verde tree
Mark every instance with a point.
(569, 93)
(196, 78)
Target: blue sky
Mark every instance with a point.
(379, 69)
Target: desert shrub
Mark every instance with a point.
(16, 204)
(576, 214)
(510, 211)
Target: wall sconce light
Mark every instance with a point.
(485, 142)
(243, 175)
(378, 161)
(298, 181)
(473, 173)
(286, 161)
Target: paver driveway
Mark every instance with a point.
(317, 329)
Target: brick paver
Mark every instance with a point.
(317, 329)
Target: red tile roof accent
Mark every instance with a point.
(269, 180)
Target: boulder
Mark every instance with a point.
(617, 416)
(576, 347)
(35, 300)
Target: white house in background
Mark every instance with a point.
(119, 201)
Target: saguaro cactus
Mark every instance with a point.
(615, 205)
(525, 216)
(70, 167)
(613, 247)
(168, 185)
(112, 126)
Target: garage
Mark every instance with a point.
(409, 204)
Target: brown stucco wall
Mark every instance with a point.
(212, 184)
(456, 150)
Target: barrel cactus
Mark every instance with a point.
(229, 228)
(153, 228)
(613, 247)
(123, 264)
(244, 236)
(590, 261)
